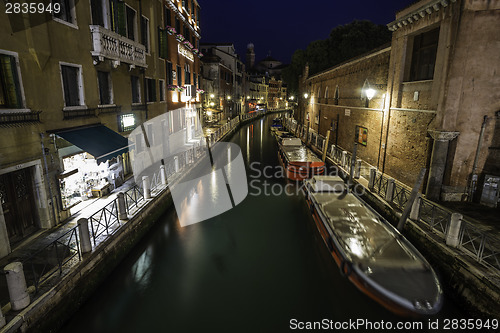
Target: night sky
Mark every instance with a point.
(282, 27)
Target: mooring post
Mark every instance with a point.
(325, 145)
(390, 190)
(84, 232)
(147, 187)
(16, 284)
(357, 170)
(122, 207)
(163, 175)
(454, 230)
(415, 208)
(371, 181)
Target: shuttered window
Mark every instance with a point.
(71, 85)
(105, 95)
(145, 33)
(97, 12)
(162, 43)
(10, 91)
(170, 76)
(118, 18)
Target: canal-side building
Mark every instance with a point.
(230, 59)
(434, 100)
(73, 86)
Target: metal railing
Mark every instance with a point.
(51, 259)
(104, 220)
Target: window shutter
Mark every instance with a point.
(119, 17)
(10, 81)
(162, 43)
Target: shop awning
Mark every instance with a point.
(99, 141)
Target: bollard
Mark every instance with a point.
(122, 207)
(344, 159)
(83, 230)
(357, 170)
(146, 186)
(371, 181)
(16, 283)
(390, 190)
(188, 159)
(415, 209)
(176, 164)
(163, 175)
(454, 230)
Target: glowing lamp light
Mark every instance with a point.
(248, 97)
(228, 97)
(292, 97)
(212, 96)
(306, 95)
(370, 92)
(212, 104)
(209, 113)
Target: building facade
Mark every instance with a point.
(228, 58)
(73, 85)
(435, 100)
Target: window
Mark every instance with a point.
(177, 25)
(170, 74)
(336, 96)
(105, 90)
(167, 16)
(187, 77)
(424, 55)
(195, 83)
(131, 23)
(72, 85)
(150, 90)
(67, 12)
(179, 76)
(98, 14)
(117, 17)
(162, 43)
(126, 122)
(10, 88)
(184, 3)
(145, 33)
(161, 87)
(136, 89)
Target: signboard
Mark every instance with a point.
(348, 112)
(185, 52)
(361, 135)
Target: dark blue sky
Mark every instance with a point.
(284, 26)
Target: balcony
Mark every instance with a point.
(111, 45)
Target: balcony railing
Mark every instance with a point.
(15, 118)
(111, 45)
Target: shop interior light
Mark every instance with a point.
(128, 120)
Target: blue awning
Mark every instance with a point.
(99, 141)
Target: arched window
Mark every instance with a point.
(326, 93)
(336, 96)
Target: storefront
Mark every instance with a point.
(94, 162)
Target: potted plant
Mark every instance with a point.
(172, 87)
(171, 30)
(179, 37)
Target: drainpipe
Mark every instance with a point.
(381, 130)
(48, 179)
(473, 178)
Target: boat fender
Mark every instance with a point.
(345, 268)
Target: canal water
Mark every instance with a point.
(255, 268)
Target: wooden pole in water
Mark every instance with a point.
(412, 198)
(325, 148)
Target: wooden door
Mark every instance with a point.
(16, 196)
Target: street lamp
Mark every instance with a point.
(212, 96)
(370, 92)
(306, 95)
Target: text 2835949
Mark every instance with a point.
(32, 8)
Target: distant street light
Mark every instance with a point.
(306, 95)
(212, 96)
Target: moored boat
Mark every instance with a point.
(299, 162)
(375, 257)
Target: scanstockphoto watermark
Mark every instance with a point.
(263, 181)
